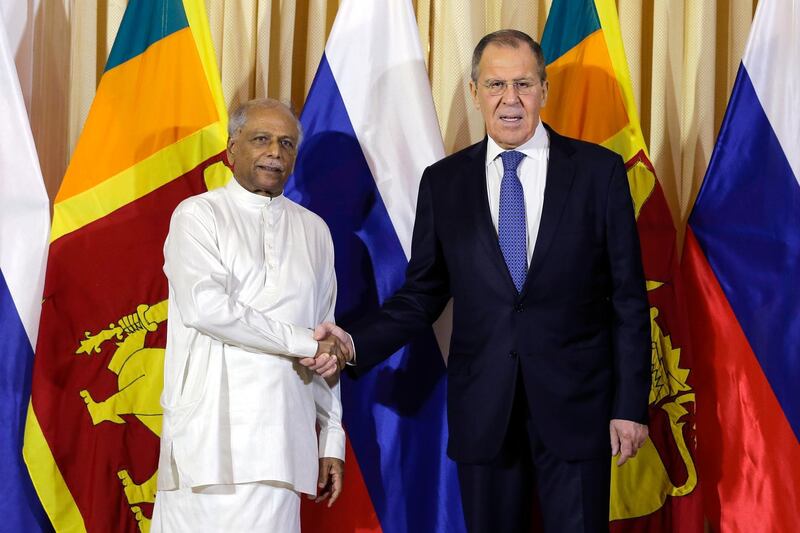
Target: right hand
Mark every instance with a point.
(334, 349)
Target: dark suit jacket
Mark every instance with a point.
(580, 330)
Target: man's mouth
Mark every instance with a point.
(273, 166)
(511, 119)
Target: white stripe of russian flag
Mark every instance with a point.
(24, 207)
(376, 59)
(772, 60)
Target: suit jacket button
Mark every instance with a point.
(518, 307)
(512, 354)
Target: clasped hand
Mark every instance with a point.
(334, 350)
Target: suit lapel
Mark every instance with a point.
(479, 204)
(560, 173)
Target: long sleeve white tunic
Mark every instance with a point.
(249, 277)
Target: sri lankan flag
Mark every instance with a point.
(155, 134)
(590, 98)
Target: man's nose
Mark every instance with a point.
(510, 94)
(273, 148)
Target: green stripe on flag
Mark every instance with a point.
(568, 23)
(145, 22)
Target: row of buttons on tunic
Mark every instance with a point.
(268, 216)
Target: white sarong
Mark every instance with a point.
(264, 507)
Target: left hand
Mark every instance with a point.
(626, 438)
(331, 477)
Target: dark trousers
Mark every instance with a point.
(502, 496)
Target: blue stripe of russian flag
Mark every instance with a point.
(19, 505)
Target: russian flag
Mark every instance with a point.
(742, 264)
(370, 130)
(24, 231)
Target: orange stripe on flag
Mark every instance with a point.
(139, 119)
(585, 74)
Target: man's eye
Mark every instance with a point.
(494, 85)
(261, 139)
(286, 143)
(524, 85)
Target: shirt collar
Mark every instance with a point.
(536, 147)
(252, 199)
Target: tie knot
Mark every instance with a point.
(511, 160)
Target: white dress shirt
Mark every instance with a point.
(249, 277)
(532, 172)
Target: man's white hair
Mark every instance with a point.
(239, 116)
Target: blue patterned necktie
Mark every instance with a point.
(511, 227)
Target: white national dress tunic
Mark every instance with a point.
(249, 278)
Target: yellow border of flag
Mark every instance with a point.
(609, 22)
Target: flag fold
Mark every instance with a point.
(370, 130)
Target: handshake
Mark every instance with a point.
(334, 350)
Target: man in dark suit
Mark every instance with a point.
(533, 235)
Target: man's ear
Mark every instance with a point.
(230, 150)
(473, 89)
(545, 90)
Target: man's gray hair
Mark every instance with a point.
(512, 38)
(239, 116)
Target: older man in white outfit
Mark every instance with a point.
(250, 274)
